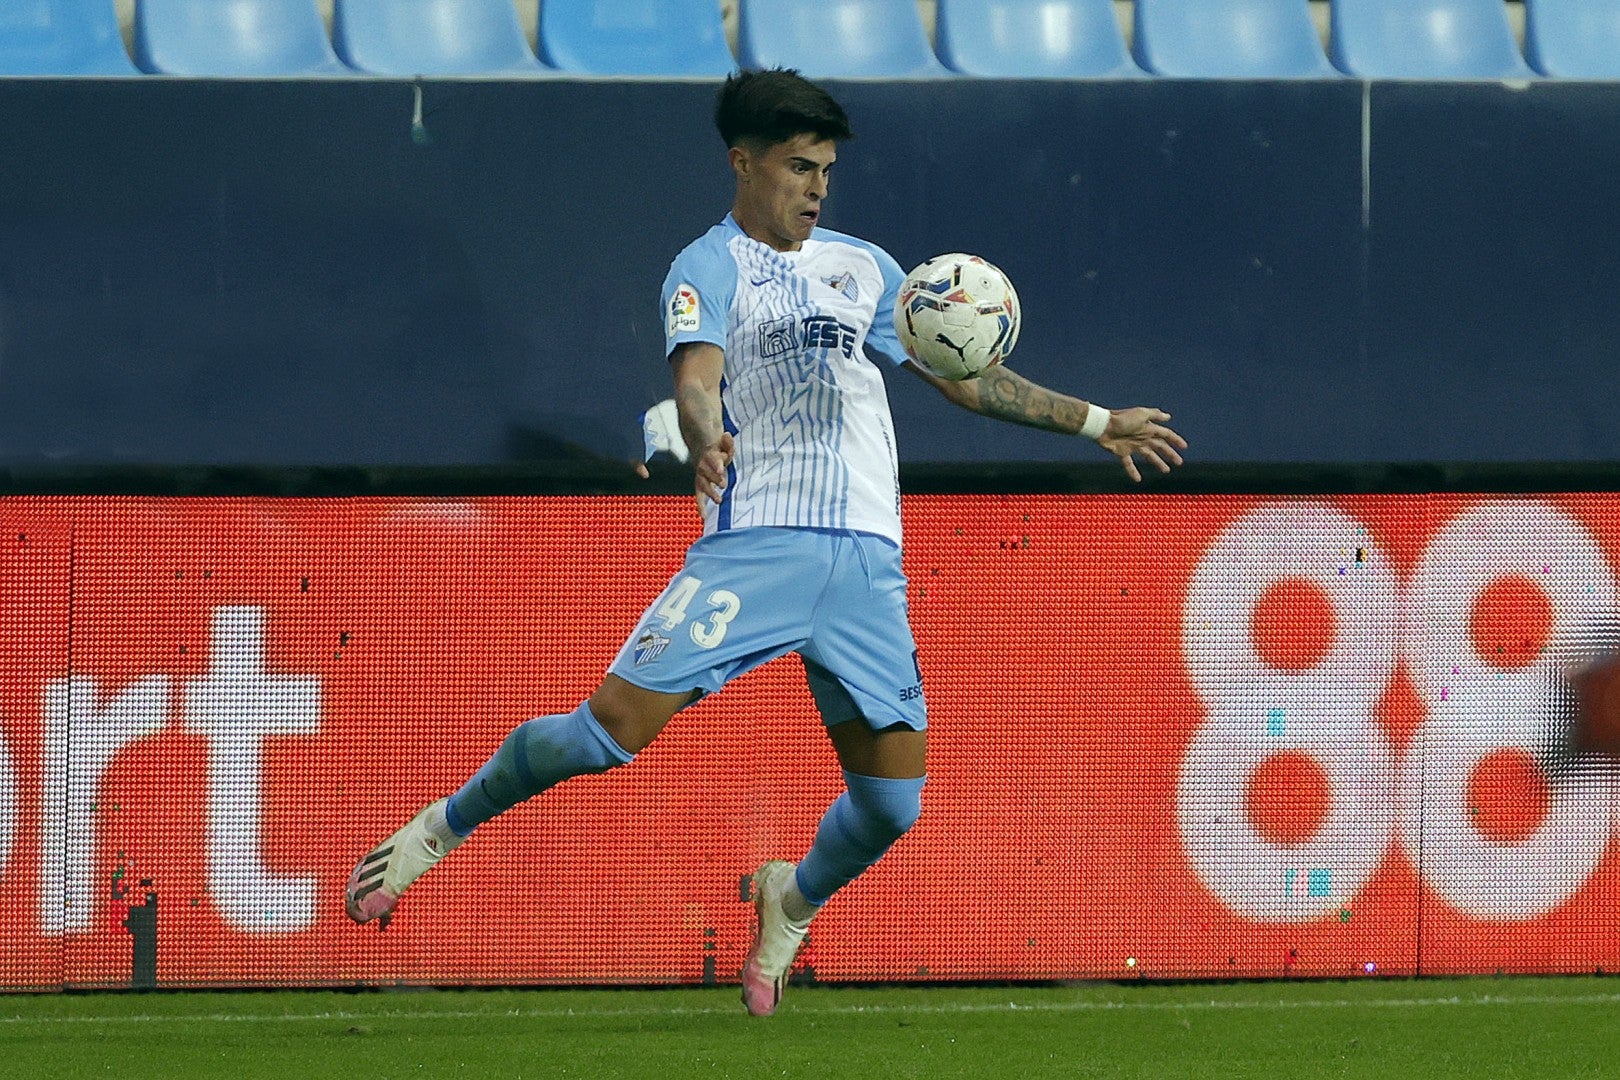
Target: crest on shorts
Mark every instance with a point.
(649, 645)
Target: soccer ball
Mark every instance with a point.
(956, 316)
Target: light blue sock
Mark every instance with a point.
(537, 754)
(856, 830)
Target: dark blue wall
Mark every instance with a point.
(242, 272)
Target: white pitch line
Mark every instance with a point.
(1008, 1007)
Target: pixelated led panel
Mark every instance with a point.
(1512, 834)
(1169, 737)
(35, 550)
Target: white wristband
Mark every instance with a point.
(1096, 421)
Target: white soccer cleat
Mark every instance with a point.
(387, 871)
(776, 940)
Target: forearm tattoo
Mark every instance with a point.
(1007, 395)
(700, 419)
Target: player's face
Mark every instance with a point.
(780, 189)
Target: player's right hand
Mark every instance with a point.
(711, 469)
(1141, 431)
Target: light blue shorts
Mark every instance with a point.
(838, 599)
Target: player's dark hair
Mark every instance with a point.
(772, 106)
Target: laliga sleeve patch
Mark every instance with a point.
(684, 313)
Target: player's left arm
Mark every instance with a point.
(1003, 394)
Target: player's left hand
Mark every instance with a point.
(1141, 431)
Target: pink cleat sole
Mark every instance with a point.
(770, 956)
(389, 868)
(365, 898)
(760, 993)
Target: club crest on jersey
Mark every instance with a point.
(684, 314)
(845, 283)
(649, 645)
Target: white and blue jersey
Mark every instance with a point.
(800, 393)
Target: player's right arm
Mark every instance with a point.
(697, 367)
(697, 296)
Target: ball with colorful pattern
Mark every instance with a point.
(957, 316)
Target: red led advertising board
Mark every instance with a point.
(1170, 737)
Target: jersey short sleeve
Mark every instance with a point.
(881, 340)
(698, 292)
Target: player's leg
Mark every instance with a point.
(883, 781)
(605, 731)
(862, 668)
(884, 773)
(863, 673)
(736, 603)
(609, 728)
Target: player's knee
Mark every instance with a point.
(618, 724)
(607, 749)
(551, 748)
(897, 819)
(630, 716)
(887, 807)
(891, 817)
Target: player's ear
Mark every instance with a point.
(741, 163)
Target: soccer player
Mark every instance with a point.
(775, 331)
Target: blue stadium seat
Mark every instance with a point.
(1034, 39)
(833, 39)
(1425, 39)
(635, 37)
(1221, 39)
(61, 37)
(233, 37)
(432, 37)
(1573, 39)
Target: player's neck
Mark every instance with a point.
(753, 227)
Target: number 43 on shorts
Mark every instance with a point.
(708, 631)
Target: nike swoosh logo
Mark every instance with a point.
(761, 281)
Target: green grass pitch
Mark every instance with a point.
(1475, 1028)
